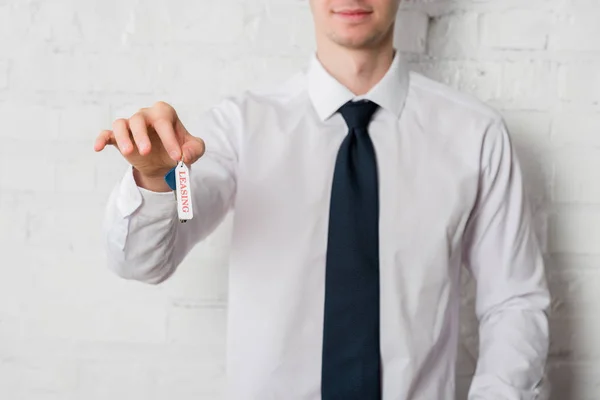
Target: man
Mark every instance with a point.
(359, 190)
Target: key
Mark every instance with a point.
(178, 179)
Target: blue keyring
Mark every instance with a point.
(170, 179)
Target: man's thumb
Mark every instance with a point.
(192, 149)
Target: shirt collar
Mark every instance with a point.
(328, 94)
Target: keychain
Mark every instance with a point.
(178, 179)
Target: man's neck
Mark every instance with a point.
(358, 70)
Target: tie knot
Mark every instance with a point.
(358, 114)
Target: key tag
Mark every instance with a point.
(183, 193)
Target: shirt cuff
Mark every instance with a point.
(131, 197)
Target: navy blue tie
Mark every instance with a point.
(351, 366)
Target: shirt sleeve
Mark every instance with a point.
(144, 239)
(505, 259)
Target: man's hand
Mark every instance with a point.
(159, 140)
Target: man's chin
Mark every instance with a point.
(355, 43)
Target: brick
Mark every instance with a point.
(191, 378)
(455, 35)
(11, 221)
(28, 121)
(75, 175)
(106, 28)
(529, 85)
(3, 75)
(202, 21)
(574, 282)
(109, 169)
(533, 126)
(580, 82)
(193, 77)
(576, 28)
(39, 378)
(576, 176)
(188, 378)
(194, 325)
(255, 72)
(83, 122)
(124, 311)
(110, 380)
(65, 224)
(573, 231)
(480, 79)
(15, 21)
(132, 72)
(59, 72)
(175, 22)
(56, 23)
(18, 276)
(516, 29)
(13, 168)
(576, 129)
(282, 27)
(410, 33)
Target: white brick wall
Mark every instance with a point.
(71, 330)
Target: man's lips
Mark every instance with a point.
(356, 14)
(352, 12)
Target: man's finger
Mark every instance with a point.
(121, 132)
(164, 129)
(139, 130)
(105, 137)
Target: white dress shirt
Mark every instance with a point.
(451, 193)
